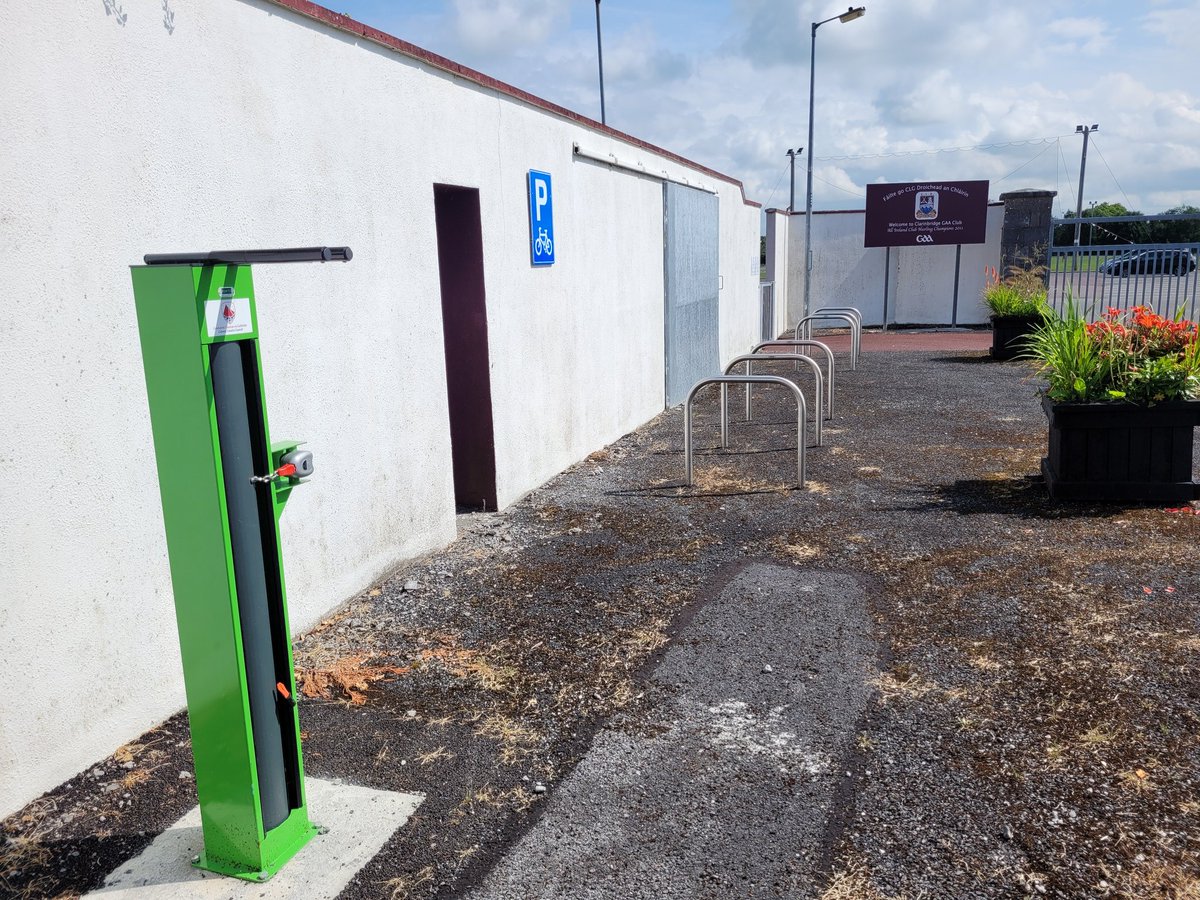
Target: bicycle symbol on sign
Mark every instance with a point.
(542, 245)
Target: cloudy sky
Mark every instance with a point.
(725, 82)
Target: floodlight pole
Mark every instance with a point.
(600, 60)
(792, 154)
(848, 16)
(1086, 131)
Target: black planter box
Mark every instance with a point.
(1121, 451)
(1007, 332)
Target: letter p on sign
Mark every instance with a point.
(541, 219)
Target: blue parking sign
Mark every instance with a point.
(541, 219)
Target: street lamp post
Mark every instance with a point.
(849, 15)
(1086, 131)
(792, 154)
(600, 60)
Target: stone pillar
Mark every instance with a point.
(1026, 231)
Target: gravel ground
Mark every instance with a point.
(1017, 710)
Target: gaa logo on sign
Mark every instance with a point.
(927, 205)
(924, 238)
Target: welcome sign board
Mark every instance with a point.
(926, 213)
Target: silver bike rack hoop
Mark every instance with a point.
(818, 381)
(801, 417)
(842, 310)
(829, 377)
(849, 310)
(853, 319)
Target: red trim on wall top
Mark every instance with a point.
(831, 212)
(358, 29)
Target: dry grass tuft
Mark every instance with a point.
(130, 752)
(721, 480)
(869, 472)
(902, 686)
(22, 844)
(1097, 736)
(466, 853)
(1137, 780)
(488, 797)
(1165, 881)
(404, 886)
(134, 777)
(647, 638)
(348, 677)
(854, 883)
(797, 552)
(515, 739)
(985, 663)
(620, 694)
(471, 665)
(1056, 754)
(433, 756)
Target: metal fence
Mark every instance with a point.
(1161, 276)
(1093, 276)
(766, 298)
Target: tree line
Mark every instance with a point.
(1166, 231)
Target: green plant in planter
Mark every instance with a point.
(1122, 404)
(1126, 355)
(1018, 305)
(1021, 293)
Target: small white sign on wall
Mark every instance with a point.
(226, 317)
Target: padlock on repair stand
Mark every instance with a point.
(290, 463)
(301, 462)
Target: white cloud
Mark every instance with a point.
(1176, 26)
(1089, 36)
(488, 26)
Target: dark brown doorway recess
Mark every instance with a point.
(464, 327)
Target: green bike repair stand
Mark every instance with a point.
(224, 486)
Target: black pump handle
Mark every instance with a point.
(249, 257)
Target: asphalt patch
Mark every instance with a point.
(726, 786)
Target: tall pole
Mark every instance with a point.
(792, 154)
(849, 15)
(812, 74)
(600, 60)
(1086, 131)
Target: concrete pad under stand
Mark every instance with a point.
(359, 821)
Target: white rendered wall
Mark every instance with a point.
(920, 283)
(777, 265)
(739, 278)
(251, 126)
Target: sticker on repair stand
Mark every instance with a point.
(226, 317)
